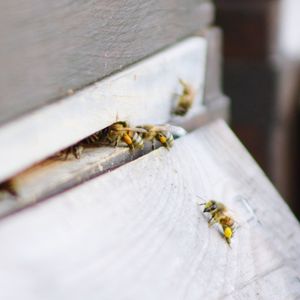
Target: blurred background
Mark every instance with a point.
(261, 76)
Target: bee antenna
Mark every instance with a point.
(201, 198)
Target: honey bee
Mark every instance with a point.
(219, 214)
(77, 149)
(185, 100)
(122, 132)
(113, 134)
(160, 133)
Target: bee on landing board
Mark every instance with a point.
(185, 100)
(122, 132)
(77, 149)
(160, 133)
(219, 215)
(164, 134)
(111, 135)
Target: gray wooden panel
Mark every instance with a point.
(49, 47)
(138, 233)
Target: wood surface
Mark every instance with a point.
(58, 173)
(48, 48)
(144, 93)
(138, 233)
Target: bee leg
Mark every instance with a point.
(117, 141)
(211, 222)
(66, 153)
(153, 145)
(228, 241)
(130, 146)
(77, 151)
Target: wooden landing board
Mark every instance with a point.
(57, 174)
(48, 48)
(144, 93)
(138, 233)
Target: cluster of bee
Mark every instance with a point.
(134, 137)
(122, 133)
(219, 215)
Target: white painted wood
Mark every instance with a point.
(137, 232)
(141, 94)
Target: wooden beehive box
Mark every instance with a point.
(121, 224)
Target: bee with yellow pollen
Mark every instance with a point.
(219, 214)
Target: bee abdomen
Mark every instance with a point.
(170, 139)
(137, 140)
(92, 139)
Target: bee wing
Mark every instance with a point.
(135, 129)
(154, 128)
(203, 201)
(176, 131)
(183, 82)
(238, 222)
(141, 130)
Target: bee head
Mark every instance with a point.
(210, 206)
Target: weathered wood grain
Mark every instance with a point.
(56, 174)
(137, 232)
(144, 93)
(48, 48)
